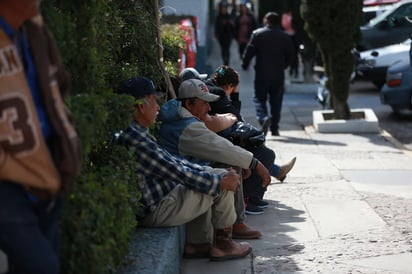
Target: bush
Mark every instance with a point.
(102, 43)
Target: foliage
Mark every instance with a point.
(335, 26)
(99, 215)
(102, 43)
(173, 43)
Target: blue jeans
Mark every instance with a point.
(275, 93)
(28, 231)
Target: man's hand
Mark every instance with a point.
(230, 181)
(244, 67)
(263, 173)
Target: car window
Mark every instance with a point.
(401, 17)
(392, 15)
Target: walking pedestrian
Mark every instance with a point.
(274, 52)
(224, 30)
(39, 150)
(245, 24)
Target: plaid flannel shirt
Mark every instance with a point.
(160, 172)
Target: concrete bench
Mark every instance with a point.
(155, 250)
(3, 263)
(152, 251)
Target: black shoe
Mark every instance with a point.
(252, 209)
(266, 124)
(258, 202)
(275, 133)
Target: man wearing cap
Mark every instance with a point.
(176, 191)
(183, 132)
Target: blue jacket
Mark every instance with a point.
(183, 134)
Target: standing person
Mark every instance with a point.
(274, 52)
(176, 191)
(245, 24)
(287, 20)
(39, 149)
(224, 29)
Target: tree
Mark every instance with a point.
(335, 26)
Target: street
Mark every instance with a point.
(365, 94)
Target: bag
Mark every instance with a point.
(245, 135)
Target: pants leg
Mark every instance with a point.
(28, 231)
(275, 100)
(225, 50)
(252, 186)
(200, 212)
(260, 105)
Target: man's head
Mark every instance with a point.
(143, 91)
(272, 19)
(195, 97)
(191, 73)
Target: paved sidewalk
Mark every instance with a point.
(346, 207)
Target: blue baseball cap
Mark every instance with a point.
(138, 87)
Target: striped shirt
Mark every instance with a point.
(160, 172)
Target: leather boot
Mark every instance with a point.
(197, 250)
(284, 170)
(224, 248)
(242, 231)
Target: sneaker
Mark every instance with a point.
(259, 202)
(266, 124)
(251, 209)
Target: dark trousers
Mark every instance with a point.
(275, 93)
(225, 49)
(252, 186)
(28, 231)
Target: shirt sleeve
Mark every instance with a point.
(154, 161)
(200, 142)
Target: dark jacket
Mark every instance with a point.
(224, 27)
(273, 50)
(251, 26)
(224, 104)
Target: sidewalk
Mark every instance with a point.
(345, 207)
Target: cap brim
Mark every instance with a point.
(209, 97)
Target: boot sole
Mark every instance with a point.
(230, 257)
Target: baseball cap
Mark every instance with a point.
(191, 73)
(137, 87)
(194, 88)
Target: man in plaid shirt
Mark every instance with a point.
(175, 191)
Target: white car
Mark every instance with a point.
(373, 64)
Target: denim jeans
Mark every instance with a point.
(28, 231)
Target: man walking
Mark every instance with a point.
(274, 52)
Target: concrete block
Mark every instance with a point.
(155, 250)
(365, 121)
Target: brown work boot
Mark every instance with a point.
(242, 231)
(224, 248)
(284, 170)
(197, 250)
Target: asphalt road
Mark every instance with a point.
(365, 94)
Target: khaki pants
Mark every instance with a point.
(200, 212)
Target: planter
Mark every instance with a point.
(363, 120)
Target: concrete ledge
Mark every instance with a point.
(155, 250)
(365, 122)
(3, 262)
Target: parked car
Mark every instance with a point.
(397, 91)
(391, 27)
(370, 12)
(373, 64)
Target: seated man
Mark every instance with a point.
(175, 191)
(183, 132)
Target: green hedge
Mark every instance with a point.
(103, 42)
